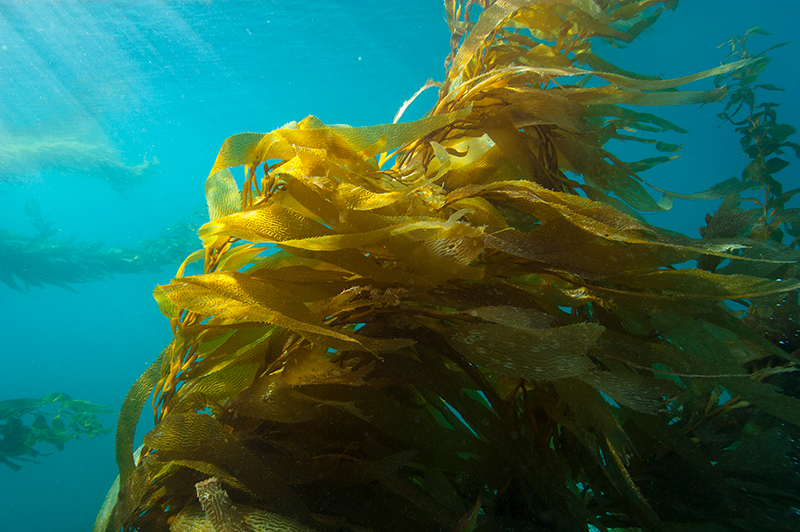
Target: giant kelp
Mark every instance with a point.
(462, 321)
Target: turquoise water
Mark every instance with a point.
(135, 81)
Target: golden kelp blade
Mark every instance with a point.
(252, 148)
(222, 194)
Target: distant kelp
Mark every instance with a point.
(48, 258)
(54, 419)
(21, 157)
(766, 142)
(463, 321)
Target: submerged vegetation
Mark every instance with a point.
(46, 258)
(70, 419)
(70, 156)
(463, 323)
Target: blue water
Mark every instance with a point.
(172, 80)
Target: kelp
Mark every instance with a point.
(462, 321)
(49, 258)
(22, 156)
(764, 140)
(27, 423)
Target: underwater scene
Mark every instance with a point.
(446, 266)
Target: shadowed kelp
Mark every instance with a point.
(481, 333)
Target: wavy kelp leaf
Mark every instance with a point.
(222, 194)
(530, 106)
(275, 223)
(493, 17)
(236, 151)
(643, 394)
(166, 306)
(240, 345)
(590, 162)
(718, 191)
(766, 397)
(664, 84)
(569, 223)
(220, 383)
(202, 437)
(398, 134)
(272, 398)
(243, 299)
(106, 513)
(518, 318)
(699, 284)
(312, 366)
(252, 148)
(218, 514)
(131, 410)
(420, 230)
(555, 244)
(703, 353)
(192, 518)
(236, 258)
(358, 198)
(529, 354)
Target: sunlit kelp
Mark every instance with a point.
(54, 419)
(461, 328)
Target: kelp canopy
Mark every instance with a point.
(462, 322)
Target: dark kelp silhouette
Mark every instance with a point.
(46, 258)
(473, 333)
(25, 423)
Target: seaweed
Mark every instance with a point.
(769, 229)
(24, 155)
(764, 140)
(462, 322)
(19, 433)
(49, 258)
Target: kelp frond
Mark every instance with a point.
(479, 334)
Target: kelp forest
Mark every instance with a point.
(48, 257)
(464, 322)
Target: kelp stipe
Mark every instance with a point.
(463, 339)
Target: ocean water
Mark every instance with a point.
(143, 80)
